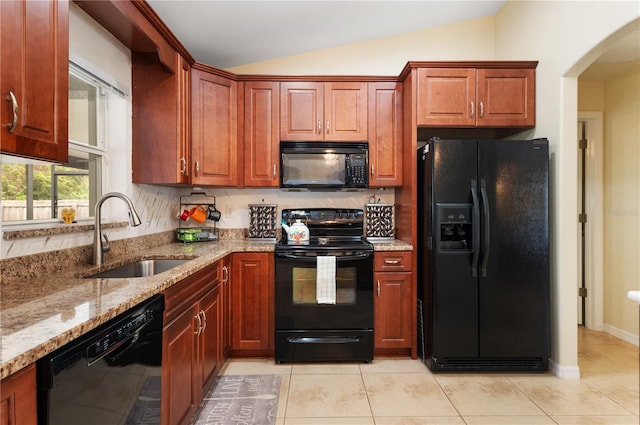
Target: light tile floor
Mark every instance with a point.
(401, 391)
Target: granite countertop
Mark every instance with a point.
(49, 311)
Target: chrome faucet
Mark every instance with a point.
(98, 247)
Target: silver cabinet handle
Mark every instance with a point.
(481, 110)
(199, 319)
(225, 274)
(378, 288)
(197, 168)
(183, 170)
(473, 109)
(328, 126)
(274, 171)
(14, 106)
(319, 126)
(392, 262)
(204, 320)
(373, 170)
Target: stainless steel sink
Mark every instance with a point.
(140, 268)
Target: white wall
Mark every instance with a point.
(565, 37)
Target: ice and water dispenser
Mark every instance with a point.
(454, 228)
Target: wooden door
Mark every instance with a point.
(179, 387)
(161, 120)
(214, 156)
(385, 134)
(209, 343)
(252, 303)
(261, 133)
(345, 111)
(34, 78)
(18, 398)
(506, 97)
(301, 111)
(393, 322)
(447, 97)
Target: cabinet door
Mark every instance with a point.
(34, 78)
(214, 147)
(209, 342)
(393, 304)
(506, 97)
(261, 133)
(252, 303)
(345, 111)
(226, 305)
(301, 111)
(385, 134)
(161, 120)
(447, 97)
(179, 386)
(18, 400)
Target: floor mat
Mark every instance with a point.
(241, 399)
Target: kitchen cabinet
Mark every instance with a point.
(332, 111)
(18, 398)
(385, 134)
(476, 97)
(161, 120)
(214, 128)
(34, 78)
(393, 303)
(252, 304)
(261, 133)
(191, 352)
(225, 294)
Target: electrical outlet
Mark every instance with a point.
(229, 210)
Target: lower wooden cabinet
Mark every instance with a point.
(393, 303)
(192, 345)
(252, 301)
(18, 398)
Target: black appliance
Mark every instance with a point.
(110, 375)
(483, 255)
(324, 165)
(311, 325)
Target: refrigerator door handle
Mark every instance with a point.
(487, 223)
(476, 228)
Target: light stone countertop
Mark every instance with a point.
(41, 315)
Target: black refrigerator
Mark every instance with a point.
(483, 255)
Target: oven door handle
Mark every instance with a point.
(324, 340)
(349, 257)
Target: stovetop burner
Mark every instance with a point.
(329, 228)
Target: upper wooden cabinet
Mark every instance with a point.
(214, 129)
(476, 97)
(335, 111)
(385, 134)
(34, 78)
(261, 133)
(161, 120)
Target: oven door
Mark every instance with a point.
(296, 290)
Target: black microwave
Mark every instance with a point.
(324, 165)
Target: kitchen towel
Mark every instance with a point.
(326, 279)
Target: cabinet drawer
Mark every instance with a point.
(392, 261)
(183, 294)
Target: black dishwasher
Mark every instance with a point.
(109, 376)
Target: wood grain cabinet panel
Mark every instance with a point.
(314, 111)
(261, 133)
(34, 78)
(252, 304)
(393, 305)
(385, 134)
(214, 126)
(470, 97)
(18, 398)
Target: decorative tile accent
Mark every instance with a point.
(379, 221)
(262, 221)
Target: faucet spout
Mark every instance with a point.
(98, 248)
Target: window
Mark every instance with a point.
(35, 190)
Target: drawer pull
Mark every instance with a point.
(392, 262)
